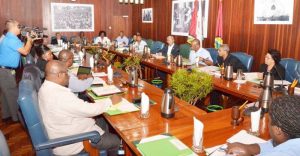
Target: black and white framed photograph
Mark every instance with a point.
(182, 16)
(273, 11)
(147, 15)
(67, 17)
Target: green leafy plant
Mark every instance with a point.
(133, 61)
(191, 86)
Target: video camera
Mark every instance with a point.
(35, 32)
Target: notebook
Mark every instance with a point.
(163, 144)
(106, 90)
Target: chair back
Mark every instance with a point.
(3, 146)
(184, 50)
(149, 42)
(292, 69)
(28, 103)
(247, 60)
(156, 46)
(214, 54)
(33, 73)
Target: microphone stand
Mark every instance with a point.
(280, 88)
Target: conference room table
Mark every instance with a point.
(131, 127)
(248, 91)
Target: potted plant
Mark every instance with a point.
(133, 62)
(191, 85)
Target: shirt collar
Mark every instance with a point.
(55, 85)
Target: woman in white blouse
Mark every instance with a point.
(102, 39)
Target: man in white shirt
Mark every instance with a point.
(102, 39)
(199, 54)
(79, 83)
(64, 114)
(122, 40)
(139, 44)
(171, 48)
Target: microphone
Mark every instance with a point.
(280, 88)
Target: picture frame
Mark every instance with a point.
(69, 17)
(182, 15)
(273, 11)
(147, 15)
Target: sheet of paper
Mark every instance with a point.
(280, 82)
(296, 91)
(101, 74)
(241, 137)
(154, 138)
(106, 90)
(123, 107)
(98, 80)
(251, 76)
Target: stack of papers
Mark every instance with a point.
(165, 145)
(241, 137)
(106, 90)
(123, 107)
(209, 69)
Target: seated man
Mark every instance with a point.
(225, 58)
(81, 39)
(76, 84)
(199, 54)
(171, 48)
(122, 40)
(57, 38)
(139, 44)
(284, 129)
(64, 114)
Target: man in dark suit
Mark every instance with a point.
(171, 48)
(57, 38)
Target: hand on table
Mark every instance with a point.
(238, 149)
(115, 99)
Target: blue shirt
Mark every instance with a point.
(9, 54)
(122, 40)
(288, 148)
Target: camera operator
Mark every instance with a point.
(11, 49)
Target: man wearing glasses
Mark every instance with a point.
(11, 49)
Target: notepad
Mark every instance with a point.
(106, 90)
(165, 145)
(123, 107)
(241, 137)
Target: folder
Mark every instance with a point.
(163, 145)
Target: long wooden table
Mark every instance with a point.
(248, 91)
(130, 127)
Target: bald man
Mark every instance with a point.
(171, 48)
(199, 54)
(64, 114)
(79, 83)
(11, 48)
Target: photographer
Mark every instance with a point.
(11, 49)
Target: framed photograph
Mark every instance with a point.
(273, 11)
(69, 17)
(147, 15)
(182, 15)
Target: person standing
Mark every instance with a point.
(11, 49)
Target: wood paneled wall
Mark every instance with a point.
(239, 29)
(109, 15)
